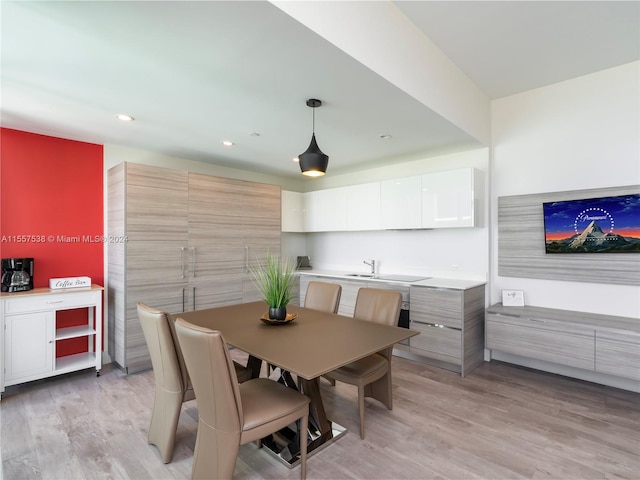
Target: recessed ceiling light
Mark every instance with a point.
(385, 136)
(296, 159)
(124, 117)
(228, 143)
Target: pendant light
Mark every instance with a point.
(313, 163)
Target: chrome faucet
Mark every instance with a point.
(372, 264)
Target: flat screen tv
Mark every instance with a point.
(593, 225)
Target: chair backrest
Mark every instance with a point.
(323, 296)
(213, 376)
(377, 305)
(168, 365)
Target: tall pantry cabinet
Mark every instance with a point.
(190, 239)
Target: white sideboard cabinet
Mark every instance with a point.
(29, 334)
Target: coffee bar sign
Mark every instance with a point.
(70, 282)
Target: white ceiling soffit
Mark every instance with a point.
(196, 73)
(508, 47)
(383, 39)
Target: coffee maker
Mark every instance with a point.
(17, 274)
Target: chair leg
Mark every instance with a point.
(361, 410)
(304, 425)
(331, 380)
(164, 422)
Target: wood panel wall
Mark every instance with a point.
(521, 247)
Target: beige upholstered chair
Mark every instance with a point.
(381, 306)
(323, 296)
(231, 414)
(173, 386)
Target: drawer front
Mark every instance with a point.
(436, 306)
(441, 343)
(39, 303)
(535, 340)
(618, 354)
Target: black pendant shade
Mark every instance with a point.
(313, 163)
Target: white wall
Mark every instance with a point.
(579, 134)
(451, 253)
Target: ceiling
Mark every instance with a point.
(196, 73)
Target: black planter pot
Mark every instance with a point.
(277, 313)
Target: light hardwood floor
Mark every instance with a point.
(500, 422)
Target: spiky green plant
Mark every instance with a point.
(275, 279)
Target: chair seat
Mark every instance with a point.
(363, 368)
(261, 393)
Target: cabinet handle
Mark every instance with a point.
(194, 298)
(193, 262)
(57, 301)
(183, 290)
(182, 270)
(501, 314)
(246, 259)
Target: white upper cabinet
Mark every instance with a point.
(448, 199)
(363, 206)
(311, 211)
(332, 211)
(292, 211)
(401, 203)
(434, 200)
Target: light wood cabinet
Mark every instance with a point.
(599, 343)
(260, 229)
(29, 334)
(190, 240)
(149, 207)
(618, 354)
(451, 322)
(542, 340)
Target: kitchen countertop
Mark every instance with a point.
(434, 282)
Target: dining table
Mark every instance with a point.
(308, 345)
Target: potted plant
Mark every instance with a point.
(275, 279)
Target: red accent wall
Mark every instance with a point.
(52, 190)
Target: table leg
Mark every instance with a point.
(321, 431)
(254, 365)
(317, 414)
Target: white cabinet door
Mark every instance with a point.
(401, 203)
(448, 199)
(292, 211)
(29, 346)
(311, 209)
(332, 210)
(363, 206)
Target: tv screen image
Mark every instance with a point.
(593, 225)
